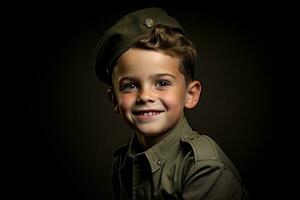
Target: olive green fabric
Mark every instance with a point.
(184, 165)
(124, 34)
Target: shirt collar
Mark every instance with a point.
(158, 154)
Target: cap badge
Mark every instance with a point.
(149, 22)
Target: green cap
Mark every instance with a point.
(124, 34)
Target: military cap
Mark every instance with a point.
(124, 34)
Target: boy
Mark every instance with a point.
(148, 63)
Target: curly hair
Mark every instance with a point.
(174, 43)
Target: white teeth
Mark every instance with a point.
(149, 113)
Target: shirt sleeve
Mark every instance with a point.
(115, 178)
(212, 179)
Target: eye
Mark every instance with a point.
(162, 83)
(128, 86)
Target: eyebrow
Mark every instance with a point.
(154, 76)
(163, 74)
(127, 78)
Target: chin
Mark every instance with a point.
(148, 132)
(151, 131)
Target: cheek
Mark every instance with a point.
(174, 99)
(125, 101)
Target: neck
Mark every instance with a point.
(149, 141)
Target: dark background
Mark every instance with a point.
(64, 129)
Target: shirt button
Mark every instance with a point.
(159, 162)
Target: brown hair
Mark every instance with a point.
(174, 43)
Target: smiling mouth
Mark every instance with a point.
(146, 113)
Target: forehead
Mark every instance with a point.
(143, 62)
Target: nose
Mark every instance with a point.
(146, 94)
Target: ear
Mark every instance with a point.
(113, 99)
(193, 94)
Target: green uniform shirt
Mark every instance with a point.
(184, 165)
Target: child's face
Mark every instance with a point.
(151, 92)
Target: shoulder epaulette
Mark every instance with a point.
(205, 148)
